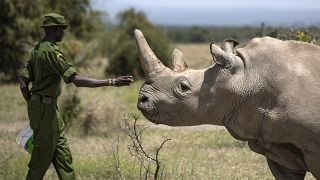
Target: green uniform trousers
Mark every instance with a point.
(50, 145)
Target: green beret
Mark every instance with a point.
(54, 20)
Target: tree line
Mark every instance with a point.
(203, 34)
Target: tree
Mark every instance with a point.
(123, 53)
(18, 31)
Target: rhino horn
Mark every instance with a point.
(220, 57)
(149, 61)
(228, 45)
(178, 63)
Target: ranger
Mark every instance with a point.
(46, 68)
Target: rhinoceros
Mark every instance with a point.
(266, 93)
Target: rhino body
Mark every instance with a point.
(266, 93)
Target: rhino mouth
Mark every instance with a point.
(148, 109)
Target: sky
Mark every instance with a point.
(219, 12)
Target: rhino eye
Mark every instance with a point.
(184, 87)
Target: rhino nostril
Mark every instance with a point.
(144, 99)
(143, 103)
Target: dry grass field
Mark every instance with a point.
(197, 55)
(202, 152)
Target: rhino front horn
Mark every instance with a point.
(178, 63)
(149, 61)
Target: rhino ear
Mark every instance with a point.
(178, 63)
(228, 45)
(220, 57)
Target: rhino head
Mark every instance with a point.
(180, 96)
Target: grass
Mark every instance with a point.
(204, 152)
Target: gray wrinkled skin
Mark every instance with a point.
(267, 93)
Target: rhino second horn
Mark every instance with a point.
(228, 45)
(149, 61)
(178, 63)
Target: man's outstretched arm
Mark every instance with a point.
(80, 81)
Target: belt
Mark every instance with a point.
(44, 99)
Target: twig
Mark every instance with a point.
(136, 148)
(157, 155)
(115, 158)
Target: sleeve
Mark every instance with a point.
(60, 65)
(27, 72)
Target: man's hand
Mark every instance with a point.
(123, 81)
(24, 88)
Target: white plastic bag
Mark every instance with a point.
(25, 138)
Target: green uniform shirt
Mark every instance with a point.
(46, 67)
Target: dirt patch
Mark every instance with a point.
(197, 128)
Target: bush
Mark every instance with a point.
(310, 35)
(123, 52)
(70, 108)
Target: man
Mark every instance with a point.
(46, 67)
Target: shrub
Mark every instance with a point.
(310, 35)
(149, 163)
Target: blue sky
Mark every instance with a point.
(219, 13)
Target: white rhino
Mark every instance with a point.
(266, 93)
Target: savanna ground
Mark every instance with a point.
(202, 152)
